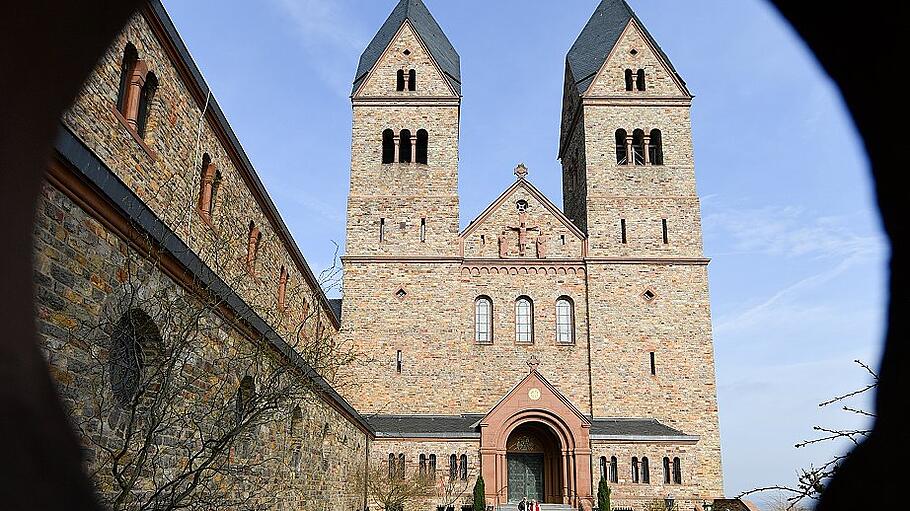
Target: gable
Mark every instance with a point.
(634, 51)
(548, 234)
(406, 51)
(535, 392)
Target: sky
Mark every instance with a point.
(797, 277)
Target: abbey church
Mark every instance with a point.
(544, 347)
(575, 341)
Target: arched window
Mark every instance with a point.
(645, 471)
(483, 319)
(622, 156)
(392, 469)
(635, 476)
(677, 471)
(432, 467)
(463, 467)
(127, 65)
(629, 79)
(603, 467)
(666, 470)
(422, 140)
(252, 249)
(640, 79)
(401, 465)
(614, 470)
(210, 182)
(524, 320)
(453, 467)
(422, 464)
(656, 148)
(412, 80)
(134, 341)
(296, 425)
(246, 393)
(565, 320)
(638, 146)
(404, 149)
(145, 103)
(282, 288)
(399, 85)
(388, 146)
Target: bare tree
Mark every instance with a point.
(179, 401)
(450, 490)
(393, 490)
(811, 481)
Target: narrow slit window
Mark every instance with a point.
(412, 80)
(399, 83)
(629, 79)
(640, 80)
(381, 230)
(483, 239)
(666, 235)
(653, 364)
(423, 230)
(622, 229)
(398, 361)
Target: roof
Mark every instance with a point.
(430, 34)
(335, 304)
(426, 426)
(466, 426)
(598, 38)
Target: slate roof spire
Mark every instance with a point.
(598, 38)
(427, 29)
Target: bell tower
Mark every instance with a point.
(406, 98)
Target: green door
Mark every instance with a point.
(525, 476)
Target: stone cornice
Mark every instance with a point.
(635, 101)
(646, 439)
(469, 262)
(696, 261)
(389, 259)
(405, 101)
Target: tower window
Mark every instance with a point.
(622, 229)
(388, 146)
(381, 230)
(398, 361)
(422, 141)
(622, 156)
(404, 150)
(423, 230)
(638, 147)
(629, 79)
(663, 222)
(640, 80)
(653, 364)
(483, 320)
(399, 83)
(412, 80)
(656, 148)
(565, 321)
(524, 320)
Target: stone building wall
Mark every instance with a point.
(86, 276)
(460, 490)
(164, 170)
(626, 493)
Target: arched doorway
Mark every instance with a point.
(533, 464)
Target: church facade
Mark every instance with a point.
(569, 344)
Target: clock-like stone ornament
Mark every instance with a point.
(534, 394)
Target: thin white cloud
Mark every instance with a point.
(329, 37)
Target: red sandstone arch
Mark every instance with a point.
(535, 401)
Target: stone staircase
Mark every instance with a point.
(543, 507)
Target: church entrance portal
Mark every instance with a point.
(533, 464)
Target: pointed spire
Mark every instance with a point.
(598, 38)
(430, 34)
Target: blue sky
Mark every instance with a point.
(798, 270)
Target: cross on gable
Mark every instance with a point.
(523, 229)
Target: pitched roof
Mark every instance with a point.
(429, 32)
(598, 38)
(466, 426)
(335, 305)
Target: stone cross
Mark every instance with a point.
(523, 229)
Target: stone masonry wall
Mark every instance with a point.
(625, 493)
(165, 172)
(82, 273)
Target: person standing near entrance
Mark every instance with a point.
(523, 504)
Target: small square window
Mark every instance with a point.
(401, 293)
(649, 295)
